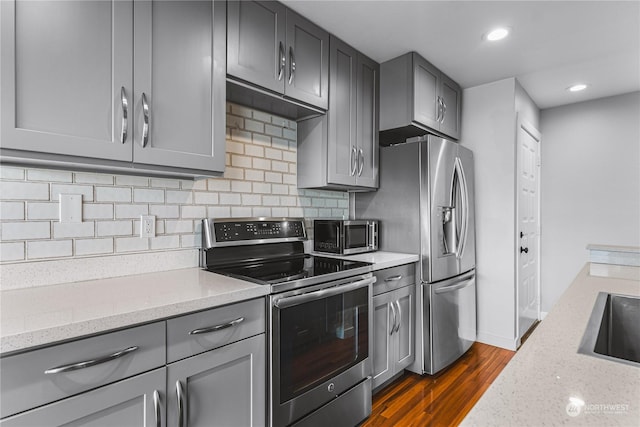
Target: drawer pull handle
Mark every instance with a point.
(156, 407)
(393, 278)
(89, 363)
(181, 403)
(217, 327)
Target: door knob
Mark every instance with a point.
(525, 250)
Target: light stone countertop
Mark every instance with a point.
(536, 386)
(380, 259)
(44, 315)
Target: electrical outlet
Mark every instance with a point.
(147, 226)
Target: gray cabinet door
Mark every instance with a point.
(256, 43)
(222, 387)
(367, 121)
(179, 80)
(342, 146)
(405, 298)
(307, 53)
(65, 67)
(134, 402)
(426, 79)
(383, 354)
(451, 97)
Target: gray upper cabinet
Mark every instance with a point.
(417, 98)
(340, 149)
(66, 78)
(179, 81)
(68, 85)
(274, 48)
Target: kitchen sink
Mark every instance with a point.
(613, 331)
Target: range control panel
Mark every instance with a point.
(263, 229)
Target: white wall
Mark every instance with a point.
(590, 184)
(489, 128)
(259, 180)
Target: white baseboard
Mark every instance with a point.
(508, 343)
(543, 314)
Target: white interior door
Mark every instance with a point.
(528, 231)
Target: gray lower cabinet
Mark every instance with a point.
(134, 402)
(273, 47)
(223, 387)
(114, 85)
(415, 96)
(340, 149)
(393, 334)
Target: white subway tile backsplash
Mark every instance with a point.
(93, 246)
(279, 189)
(254, 175)
(233, 173)
(289, 156)
(239, 110)
(13, 251)
(273, 130)
(240, 186)
(290, 179)
(273, 177)
(49, 249)
(241, 212)
(263, 117)
(230, 199)
(94, 178)
(261, 211)
(165, 242)
(114, 228)
(280, 212)
(134, 181)
(271, 153)
(179, 197)
(131, 211)
(253, 126)
(219, 185)
(271, 200)
(24, 191)
(289, 134)
(260, 139)
(43, 210)
(97, 211)
(178, 226)
(197, 185)
(131, 244)
(240, 135)
(141, 195)
(240, 161)
(113, 194)
(194, 212)
(165, 183)
(11, 210)
(9, 172)
(49, 175)
(165, 211)
(254, 150)
(218, 212)
(235, 147)
(202, 198)
(191, 241)
(251, 199)
(261, 188)
(25, 230)
(281, 144)
(260, 163)
(280, 166)
(71, 229)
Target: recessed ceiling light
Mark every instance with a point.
(497, 34)
(577, 87)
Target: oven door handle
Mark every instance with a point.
(287, 302)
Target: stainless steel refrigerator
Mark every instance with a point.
(425, 205)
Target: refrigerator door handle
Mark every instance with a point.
(453, 288)
(462, 181)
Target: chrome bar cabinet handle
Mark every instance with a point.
(145, 125)
(156, 407)
(395, 318)
(215, 328)
(353, 160)
(92, 362)
(181, 403)
(282, 59)
(393, 278)
(292, 64)
(360, 161)
(125, 115)
(399, 315)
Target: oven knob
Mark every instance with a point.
(331, 388)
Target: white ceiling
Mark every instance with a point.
(553, 44)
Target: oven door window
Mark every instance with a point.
(355, 236)
(320, 339)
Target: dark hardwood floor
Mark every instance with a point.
(443, 399)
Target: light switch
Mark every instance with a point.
(70, 207)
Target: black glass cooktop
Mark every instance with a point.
(289, 269)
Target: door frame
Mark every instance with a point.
(523, 124)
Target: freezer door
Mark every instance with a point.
(452, 320)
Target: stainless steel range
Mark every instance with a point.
(318, 313)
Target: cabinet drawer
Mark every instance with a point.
(206, 330)
(394, 278)
(25, 384)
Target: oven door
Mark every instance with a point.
(320, 345)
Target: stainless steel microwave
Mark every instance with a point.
(345, 237)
